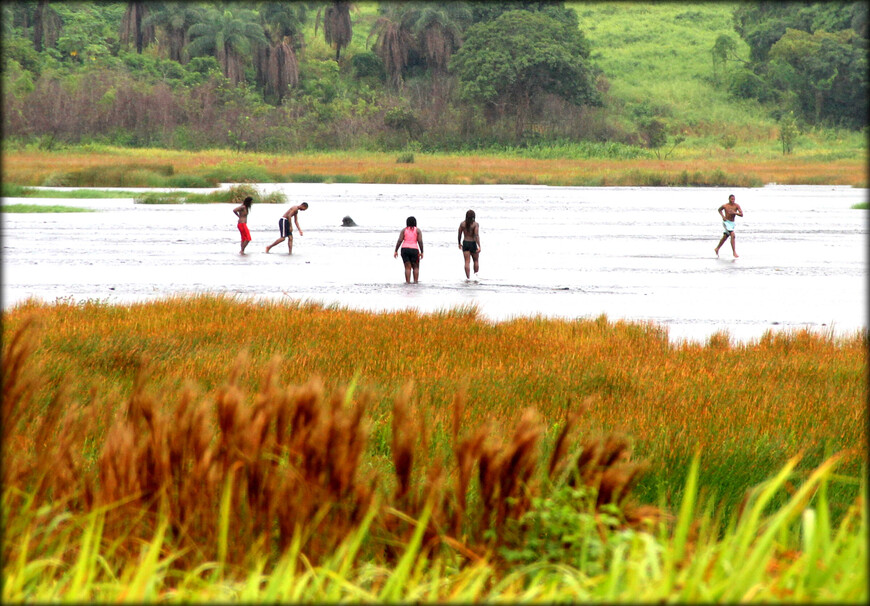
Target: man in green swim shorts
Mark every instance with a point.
(728, 212)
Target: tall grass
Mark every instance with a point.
(749, 406)
(581, 164)
(793, 553)
(143, 463)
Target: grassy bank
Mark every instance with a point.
(233, 448)
(121, 167)
(41, 208)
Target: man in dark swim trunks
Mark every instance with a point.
(286, 229)
(469, 243)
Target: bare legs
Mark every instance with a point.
(279, 240)
(244, 245)
(468, 257)
(409, 270)
(733, 244)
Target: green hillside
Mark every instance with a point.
(654, 86)
(659, 54)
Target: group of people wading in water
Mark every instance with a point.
(411, 244)
(410, 240)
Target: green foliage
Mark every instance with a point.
(812, 56)
(405, 158)
(520, 55)
(368, 65)
(11, 190)
(564, 527)
(403, 119)
(828, 72)
(229, 37)
(80, 84)
(745, 84)
(761, 25)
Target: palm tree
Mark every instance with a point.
(276, 62)
(133, 27)
(173, 19)
(337, 28)
(438, 32)
(229, 38)
(393, 40)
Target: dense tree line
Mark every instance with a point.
(809, 58)
(240, 74)
(438, 75)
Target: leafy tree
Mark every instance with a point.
(337, 27)
(403, 119)
(762, 24)
(506, 62)
(811, 55)
(490, 11)
(229, 37)
(89, 31)
(723, 51)
(8, 20)
(828, 72)
(135, 26)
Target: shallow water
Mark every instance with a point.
(641, 254)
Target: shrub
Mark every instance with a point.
(368, 65)
(58, 179)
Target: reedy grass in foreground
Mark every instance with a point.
(748, 407)
(793, 553)
(161, 490)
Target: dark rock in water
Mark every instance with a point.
(348, 222)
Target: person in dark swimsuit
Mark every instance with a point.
(285, 228)
(469, 243)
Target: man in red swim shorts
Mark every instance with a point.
(241, 211)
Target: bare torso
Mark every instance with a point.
(241, 213)
(731, 210)
(469, 232)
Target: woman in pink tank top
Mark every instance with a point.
(411, 242)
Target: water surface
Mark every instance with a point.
(642, 254)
